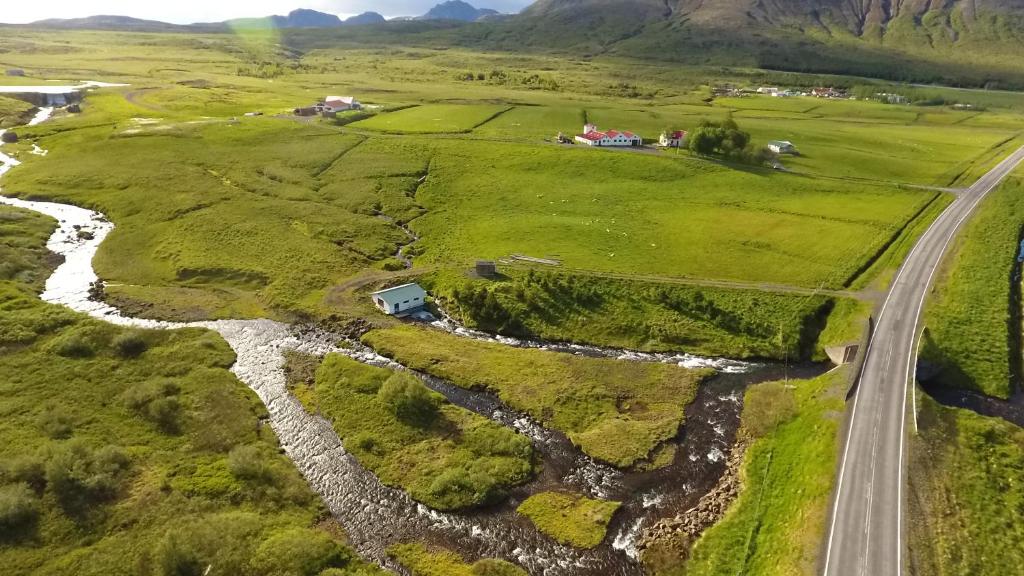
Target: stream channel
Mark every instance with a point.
(375, 516)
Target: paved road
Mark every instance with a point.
(865, 534)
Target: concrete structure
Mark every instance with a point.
(593, 137)
(674, 139)
(486, 268)
(400, 299)
(840, 355)
(782, 147)
(770, 90)
(866, 527)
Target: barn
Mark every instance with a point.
(400, 299)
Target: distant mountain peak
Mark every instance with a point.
(458, 10)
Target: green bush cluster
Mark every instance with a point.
(158, 402)
(80, 474)
(19, 510)
(423, 561)
(408, 399)
(726, 139)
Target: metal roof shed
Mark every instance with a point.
(404, 298)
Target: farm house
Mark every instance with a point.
(400, 299)
(673, 139)
(592, 137)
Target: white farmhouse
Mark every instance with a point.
(673, 139)
(593, 137)
(400, 299)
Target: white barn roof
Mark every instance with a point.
(401, 293)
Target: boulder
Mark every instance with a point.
(9, 137)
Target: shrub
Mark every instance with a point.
(247, 463)
(74, 346)
(130, 344)
(175, 557)
(299, 552)
(77, 473)
(156, 401)
(30, 470)
(19, 509)
(408, 399)
(54, 423)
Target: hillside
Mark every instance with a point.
(921, 40)
(457, 10)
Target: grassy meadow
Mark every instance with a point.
(570, 518)
(965, 498)
(617, 412)
(777, 523)
(969, 334)
(432, 118)
(444, 456)
(137, 452)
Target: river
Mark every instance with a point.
(375, 516)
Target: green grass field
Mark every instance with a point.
(432, 119)
(128, 451)
(617, 412)
(569, 518)
(777, 523)
(968, 332)
(965, 477)
(442, 455)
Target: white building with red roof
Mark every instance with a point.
(593, 137)
(673, 139)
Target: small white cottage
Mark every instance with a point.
(400, 299)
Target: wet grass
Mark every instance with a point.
(12, 111)
(568, 518)
(776, 524)
(617, 412)
(125, 450)
(444, 456)
(965, 498)
(423, 561)
(968, 317)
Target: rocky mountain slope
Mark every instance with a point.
(458, 10)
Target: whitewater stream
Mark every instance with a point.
(375, 516)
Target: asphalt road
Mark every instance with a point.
(865, 531)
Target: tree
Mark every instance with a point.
(408, 399)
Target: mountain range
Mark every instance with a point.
(970, 42)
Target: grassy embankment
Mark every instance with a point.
(569, 518)
(130, 451)
(968, 333)
(423, 561)
(646, 315)
(444, 456)
(966, 502)
(776, 525)
(618, 412)
(12, 111)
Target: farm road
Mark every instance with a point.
(865, 537)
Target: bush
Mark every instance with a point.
(408, 399)
(74, 346)
(175, 557)
(77, 473)
(19, 509)
(156, 401)
(248, 463)
(130, 344)
(54, 423)
(30, 470)
(299, 552)
(766, 406)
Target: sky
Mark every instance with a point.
(189, 11)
